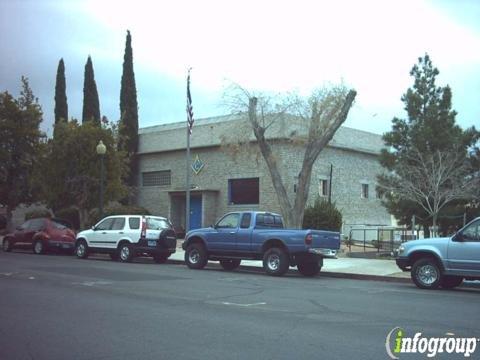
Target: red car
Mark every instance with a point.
(41, 234)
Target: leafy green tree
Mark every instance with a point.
(429, 132)
(61, 106)
(72, 171)
(322, 215)
(91, 104)
(20, 147)
(128, 141)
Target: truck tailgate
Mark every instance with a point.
(325, 239)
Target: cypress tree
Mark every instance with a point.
(129, 112)
(61, 106)
(91, 104)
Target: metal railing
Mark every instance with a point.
(384, 239)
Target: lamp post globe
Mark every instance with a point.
(101, 150)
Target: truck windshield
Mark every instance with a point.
(268, 221)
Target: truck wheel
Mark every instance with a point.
(161, 258)
(426, 274)
(125, 252)
(230, 264)
(38, 247)
(449, 282)
(81, 249)
(6, 246)
(309, 268)
(196, 256)
(275, 262)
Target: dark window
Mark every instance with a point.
(268, 221)
(36, 224)
(365, 191)
(243, 191)
(118, 223)
(471, 233)
(246, 218)
(105, 224)
(157, 178)
(25, 225)
(157, 224)
(323, 188)
(278, 221)
(229, 221)
(57, 225)
(134, 223)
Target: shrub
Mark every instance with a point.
(322, 216)
(117, 210)
(71, 215)
(37, 213)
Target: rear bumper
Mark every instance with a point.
(61, 245)
(323, 252)
(161, 247)
(153, 250)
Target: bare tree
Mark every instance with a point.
(432, 180)
(311, 123)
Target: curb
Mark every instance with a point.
(330, 274)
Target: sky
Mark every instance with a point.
(262, 45)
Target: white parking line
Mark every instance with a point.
(244, 305)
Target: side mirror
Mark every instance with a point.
(93, 228)
(18, 228)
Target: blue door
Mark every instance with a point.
(195, 212)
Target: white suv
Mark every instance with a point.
(127, 236)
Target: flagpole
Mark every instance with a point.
(189, 130)
(187, 205)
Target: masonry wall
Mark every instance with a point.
(350, 170)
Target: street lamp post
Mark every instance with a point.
(101, 150)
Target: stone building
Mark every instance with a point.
(224, 180)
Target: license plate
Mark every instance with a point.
(152, 243)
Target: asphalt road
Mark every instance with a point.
(60, 307)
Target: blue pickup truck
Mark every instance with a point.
(255, 235)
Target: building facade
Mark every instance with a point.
(225, 178)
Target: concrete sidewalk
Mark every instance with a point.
(343, 267)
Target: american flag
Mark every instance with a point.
(189, 106)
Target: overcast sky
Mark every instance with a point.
(261, 45)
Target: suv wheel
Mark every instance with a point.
(230, 264)
(196, 256)
(426, 274)
(38, 247)
(309, 268)
(81, 249)
(449, 282)
(125, 252)
(275, 262)
(6, 246)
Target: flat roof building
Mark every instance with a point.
(227, 179)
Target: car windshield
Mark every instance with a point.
(58, 225)
(157, 224)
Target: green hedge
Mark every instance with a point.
(37, 213)
(71, 215)
(322, 216)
